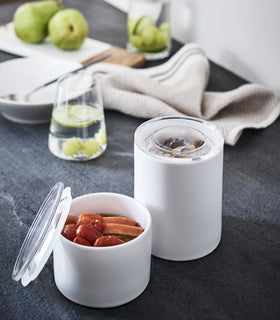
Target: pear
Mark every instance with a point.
(31, 20)
(68, 29)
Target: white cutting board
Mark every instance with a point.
(9, 42)
(90, 50)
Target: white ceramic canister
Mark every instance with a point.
(178, 177)
(92, 276)
(105, 276)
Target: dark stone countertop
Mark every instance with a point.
(239, 280)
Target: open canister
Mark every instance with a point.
(178, 177)
(98, 277)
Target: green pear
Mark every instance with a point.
(31, 20)
(68, 29)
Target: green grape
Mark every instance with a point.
(136, 41)
(153, 48)
(165, 27)
(101, 137)
(161, 37)
(148, 35)
(130, 25)
(142, 23)
(90, 148)
(72, 146)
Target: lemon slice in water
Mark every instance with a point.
(76, 115)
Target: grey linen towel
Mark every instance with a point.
(177, 88)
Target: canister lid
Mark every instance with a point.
(179, 139)
(44, 231)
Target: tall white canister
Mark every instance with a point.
(178, 165)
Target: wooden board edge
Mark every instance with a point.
(120, 56)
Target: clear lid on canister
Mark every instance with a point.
(44, 231)
(179, 138)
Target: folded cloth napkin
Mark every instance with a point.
(177, 88)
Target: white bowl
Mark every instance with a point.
(104, 277)
(24, 74)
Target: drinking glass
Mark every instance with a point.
(148, 28)
(77, 129)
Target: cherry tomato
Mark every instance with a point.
(69, 231)
(88, 232)
(107, 241)
(82, 241)
(92, 219)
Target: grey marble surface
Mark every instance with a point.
(239, 280)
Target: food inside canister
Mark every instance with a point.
(91, 229)
(176, 142)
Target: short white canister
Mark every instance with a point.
(178, 164)
(98, 277)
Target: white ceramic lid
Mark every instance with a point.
(40, 239)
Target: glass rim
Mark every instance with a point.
(94, 77)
